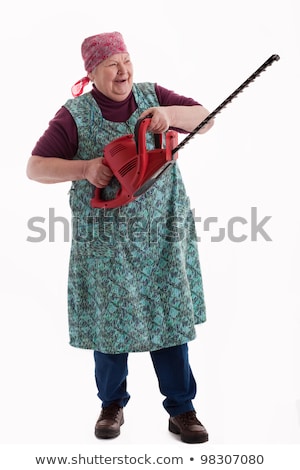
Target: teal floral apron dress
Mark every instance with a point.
(134, 277)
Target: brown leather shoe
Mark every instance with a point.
(189, 428)
(109, 422)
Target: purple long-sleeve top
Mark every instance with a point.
(61, 138)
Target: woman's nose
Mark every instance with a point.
(121, 69)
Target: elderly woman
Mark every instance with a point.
(129, 290)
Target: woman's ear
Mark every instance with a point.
(91, 76)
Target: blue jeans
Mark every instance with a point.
(171, 365)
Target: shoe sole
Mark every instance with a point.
(196, 439)
(106, 434)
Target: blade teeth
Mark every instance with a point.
(231, 97)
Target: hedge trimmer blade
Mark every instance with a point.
(233, 95)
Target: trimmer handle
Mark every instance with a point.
(140, 132)
(127, 158)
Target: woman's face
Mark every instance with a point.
(113, 77)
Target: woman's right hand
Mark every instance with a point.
(97, 173)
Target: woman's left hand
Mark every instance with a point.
(185, 118)
(160, 119)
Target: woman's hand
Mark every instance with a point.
(179, 117)
(160, 119)
(97, 173)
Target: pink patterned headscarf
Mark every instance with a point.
(94, 50)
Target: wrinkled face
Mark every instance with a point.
(113, 77)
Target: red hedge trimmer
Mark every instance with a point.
(137, 168)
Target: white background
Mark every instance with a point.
(246, 357)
